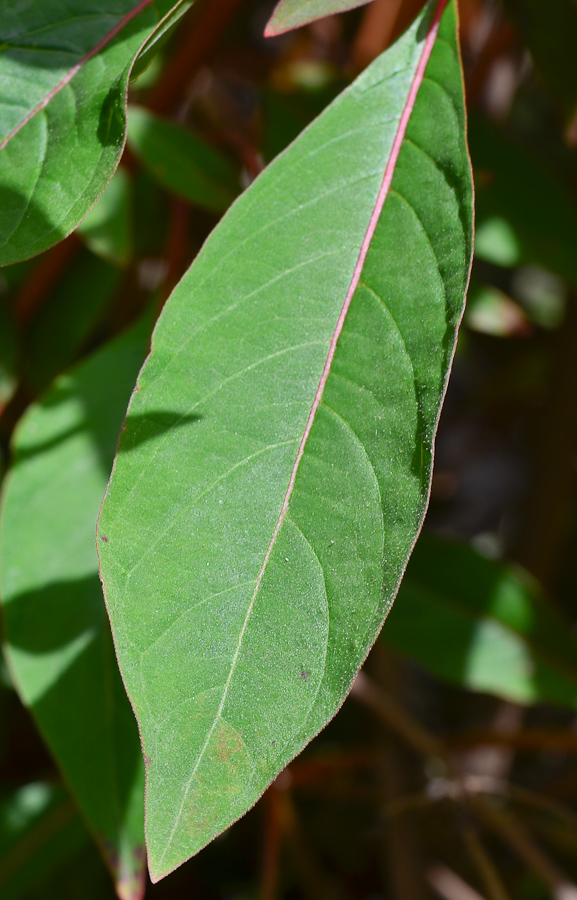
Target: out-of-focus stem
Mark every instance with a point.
(489, 875)
(518, 838)
(206, 23)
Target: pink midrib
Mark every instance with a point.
(376, 214)
(75, 69)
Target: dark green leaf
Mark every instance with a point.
(251, 551)
(63, 79)
(59, 649)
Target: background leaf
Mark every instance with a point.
(62, 124)
(482, 625)
(107, 229)
(58, 641)
(251, 551)
(181, 161)
(289, 14)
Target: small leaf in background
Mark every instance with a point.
(496, 242)
(58, 647)
(542, 295)
(289, 14)
(483, 626)
(107, 229)
(181, 161)
(64, 77)
(491, 311)
(250, 554)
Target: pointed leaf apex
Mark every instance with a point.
(291, 14)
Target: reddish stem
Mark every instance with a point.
(45, 275)
(207, 22)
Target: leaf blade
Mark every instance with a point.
(241, 585)
(67, 46)
(44, 192)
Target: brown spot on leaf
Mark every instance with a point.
(228, 743)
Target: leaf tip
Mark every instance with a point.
(129, 874)
(273, 26)
(156, 873)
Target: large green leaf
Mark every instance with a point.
(63, 79)
(290, 14)
(250, 555)
(58, 639)
(482, 625)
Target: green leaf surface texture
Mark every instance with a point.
(64, 71)
(482, 625)
(181, 161)
(250, 555)
(289, 14)
(58, 643)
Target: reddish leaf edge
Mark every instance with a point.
(430, 40)
(76, 69)
(272, 30)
